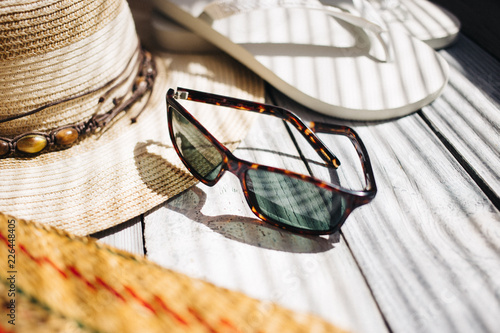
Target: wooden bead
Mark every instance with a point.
(4, 147)
(66, 136)
(32, 143)
(140, 83)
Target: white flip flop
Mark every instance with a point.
(421, 19)
(334, 61)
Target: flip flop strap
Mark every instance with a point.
(396, 7)
(220, 9)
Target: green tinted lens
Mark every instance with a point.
(196, 150)
(295, 202)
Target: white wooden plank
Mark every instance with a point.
(126, 236)
(437, 233)
(210, 233)
(468, 112)
(428, 244)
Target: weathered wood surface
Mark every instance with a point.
(127, 236)
(428, 243)
(467, 114)
(423, 256)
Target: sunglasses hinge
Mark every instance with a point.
(181, 95)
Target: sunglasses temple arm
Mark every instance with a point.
(240, 104)
(318, 145)
(358, 144)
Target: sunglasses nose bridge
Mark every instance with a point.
(234, 165)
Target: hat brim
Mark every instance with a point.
(128, 169)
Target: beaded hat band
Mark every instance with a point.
(64, 136)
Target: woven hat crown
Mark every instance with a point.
(61, 50)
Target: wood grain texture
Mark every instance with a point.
(467, 113)
(429, 243)
(210, 233)
(126, 236)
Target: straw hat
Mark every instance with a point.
(73, 77)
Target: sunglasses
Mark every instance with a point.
(285, 199)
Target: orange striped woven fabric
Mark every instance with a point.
(55, 282)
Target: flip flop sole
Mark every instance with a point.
(322, 63)
(424, 20)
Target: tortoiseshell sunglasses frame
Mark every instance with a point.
(239, 167)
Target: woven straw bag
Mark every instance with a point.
(64, 283)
